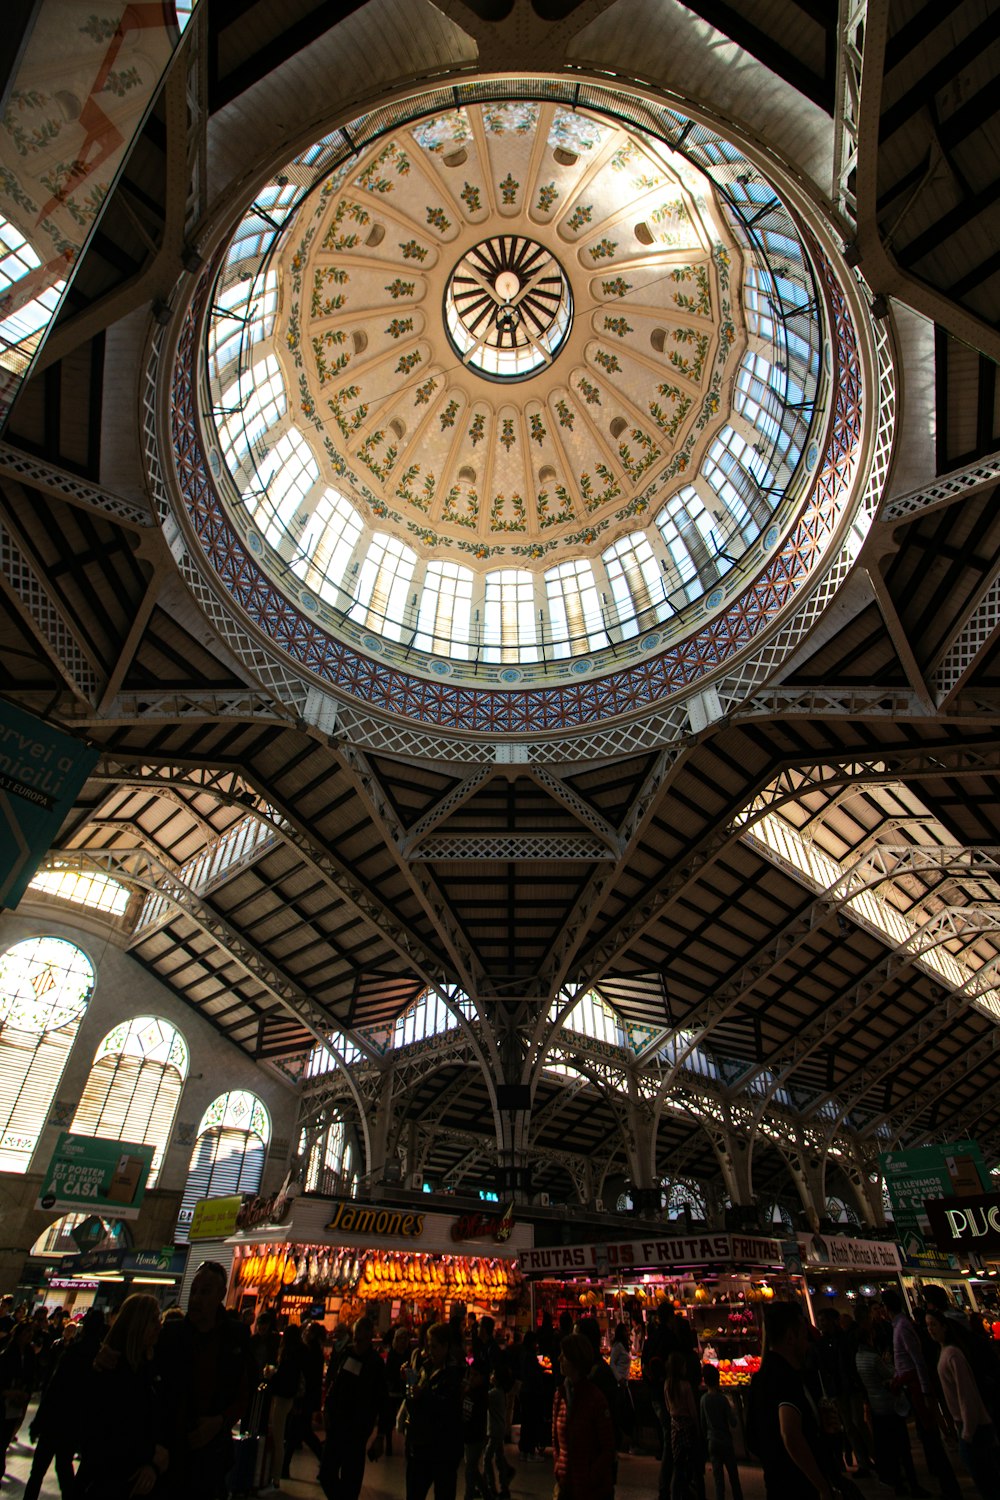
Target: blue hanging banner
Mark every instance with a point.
(41, 772)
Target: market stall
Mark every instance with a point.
(719, 1282)
(839, 1271)
(337, 1259)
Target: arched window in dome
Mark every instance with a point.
(45, 987)
(329, 540)
(693, 539)
(243, 314)
(445, 611)
(636, 583)
(736, 472)
(279, 487)
(135, 1086)
(247, 409)
(228, 1156)
(775, 404)
(261, 223)
(510, 625)
(575, 621)
(382, 585)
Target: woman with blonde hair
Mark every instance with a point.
(120, 1456)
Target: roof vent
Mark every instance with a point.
(456, 158)
(565, 158)
(644, 234)
(546, 475)
(467, 474)
(360, 341)
(658, 338)
(376, 234)
(397, 427)
(618, 426)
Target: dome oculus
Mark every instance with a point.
(508, 307)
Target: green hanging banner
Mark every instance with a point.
(929, 1172)
(41, 771)
(106, 1178)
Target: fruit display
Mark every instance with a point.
(737, 1371)
(378, 1275)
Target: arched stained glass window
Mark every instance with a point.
(134, 1086)
(228, 1156)
(45, 986)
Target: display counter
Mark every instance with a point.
(719, 1282)
(336, 1259)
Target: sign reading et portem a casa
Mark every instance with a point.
(92, 1174)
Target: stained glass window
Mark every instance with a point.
(135, 1085)
(45, 986)
(228, 1155)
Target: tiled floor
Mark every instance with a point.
(637, 1478)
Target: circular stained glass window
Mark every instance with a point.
(508, 307)
(45, 983)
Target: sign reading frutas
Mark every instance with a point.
(363, 1218)
(88, 1173)
(971, 1222)
(681, 1250)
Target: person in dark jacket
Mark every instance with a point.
(204, 1363)
(600, 1374)
(583, 1434)
(285, 1387)
(396, 1360)
(532, 1398)
(308, 1400)
(56, 1428)
(17, 1380)
(434, 1421)
(121, 1455)
(355, 1404)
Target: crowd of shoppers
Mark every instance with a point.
(147, 1405)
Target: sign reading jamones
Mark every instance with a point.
(363, 1218)
(651, 1255)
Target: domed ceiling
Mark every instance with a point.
(605, 255)
(519, 392)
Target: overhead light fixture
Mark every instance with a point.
(152, 1280)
